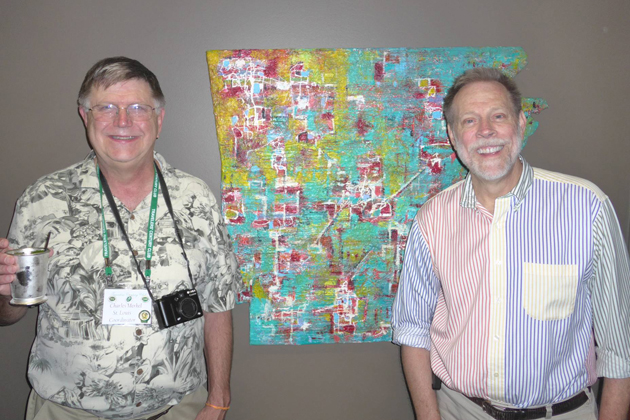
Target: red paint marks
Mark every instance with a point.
(329, 119)
(394, 288)
(277, 143)
(271, 68)
(280, 241)
(232, 200)
(379, 72)
(290, 209)
(233, 216)
(305, 137)
(232, 92)
(296, 70)
(232, 195)
(363, 126)
(285, 222)
(370, 167)
(243, 240)
(436, 188)
(260, 224)
(374, 211)
(289, 189)
(392, 58)
(291, 261)
(331, 209)
(432, 162)
(327, 116)
(336, 269)
(348, 328)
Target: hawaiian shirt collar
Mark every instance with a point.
(87, 169)
(469, 200)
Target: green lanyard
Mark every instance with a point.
(150, 230)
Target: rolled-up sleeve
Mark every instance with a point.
(610, 292)
(417, 295)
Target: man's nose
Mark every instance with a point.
(486, 128)
(122, 119)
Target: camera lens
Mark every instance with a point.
(188, 307)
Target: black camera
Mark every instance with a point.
(177, 308)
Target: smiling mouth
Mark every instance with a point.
(489, 150)
(123, 137)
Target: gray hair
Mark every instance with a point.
(481, 74)
(112, 70)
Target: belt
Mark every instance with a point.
(530, 413)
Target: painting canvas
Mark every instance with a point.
(326, 155)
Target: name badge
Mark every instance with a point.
(127, 307)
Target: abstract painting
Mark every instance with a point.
(326, 155)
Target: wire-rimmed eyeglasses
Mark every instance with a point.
(108, 112)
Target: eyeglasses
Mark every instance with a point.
(136, 112)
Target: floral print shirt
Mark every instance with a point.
(121, 371)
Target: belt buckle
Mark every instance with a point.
(489, 409)
(502, 414)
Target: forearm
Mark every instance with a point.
(417, 367)
(218, 349)
(10, 314)
(615, 399)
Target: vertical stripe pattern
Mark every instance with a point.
(507, 303)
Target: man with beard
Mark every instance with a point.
(515, 282)
(126, 227)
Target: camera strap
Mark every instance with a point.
(167, 199)
(150, 231)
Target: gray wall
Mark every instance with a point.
(578, 61)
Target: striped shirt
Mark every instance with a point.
(512, 304)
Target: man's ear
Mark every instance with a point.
(522, 122)
(449, 132)
(160, 119)
(84, 115)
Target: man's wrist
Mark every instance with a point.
(218, 397)
(218, 407)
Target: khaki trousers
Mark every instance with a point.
(38, 408)
(455, 406)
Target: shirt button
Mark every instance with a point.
(138, 331)
(132, 217)
(496, 375)
(139, 371)
(140, 403)
(135, 253)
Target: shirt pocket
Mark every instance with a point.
(549, 290)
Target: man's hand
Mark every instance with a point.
(8, 268)
(209, 413)
(9, 314)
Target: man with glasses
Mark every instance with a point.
(515, 284)
(126, 227)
